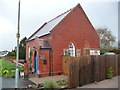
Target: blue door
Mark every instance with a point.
(36, 64)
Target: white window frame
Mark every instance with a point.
(78, 52)
(72, 50)
(66, 51)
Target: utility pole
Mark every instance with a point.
(17, 55)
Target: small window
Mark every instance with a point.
(66, 52)
(45, 62)
(78, 52)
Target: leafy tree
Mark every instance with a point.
(106, 38)
(22, 48)
(12, 53)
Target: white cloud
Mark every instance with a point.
(5, 25)
(7, 35)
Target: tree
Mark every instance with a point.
(22, 48)
(12, 53)
(106, 40)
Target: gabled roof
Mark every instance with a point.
(48, 26)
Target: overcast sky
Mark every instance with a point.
(36, 12)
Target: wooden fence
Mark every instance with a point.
(87, 69)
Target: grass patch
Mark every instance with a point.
(58, 84)
(7, 69)
(18, 60)
(49, 84)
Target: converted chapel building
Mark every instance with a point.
(70, 33)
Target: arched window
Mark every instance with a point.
(72, 50)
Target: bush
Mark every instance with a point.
(110, 73)
(49, 84)
(21, 68)
(62, 82)
(13, 54)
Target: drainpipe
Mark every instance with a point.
(51, 62)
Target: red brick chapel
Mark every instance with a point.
(70, 33)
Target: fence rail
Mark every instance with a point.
(87, 69)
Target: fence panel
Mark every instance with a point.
(96, 67)
(87, 69)
(111, 62)
(73, 74)
(102, 66)
(66, 60)
(116, 64)
(83, 71)
(119, 64)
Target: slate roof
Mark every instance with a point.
(48, 26)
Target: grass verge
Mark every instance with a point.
(7, 69)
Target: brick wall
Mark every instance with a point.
(75, 28)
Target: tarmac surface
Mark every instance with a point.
(108, 83)
(10, 83)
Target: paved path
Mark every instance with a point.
(108, 83)
(37, 80)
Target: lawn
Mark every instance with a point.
(7, 69)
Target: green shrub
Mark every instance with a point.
(49, 84)
(110, 73)
(62, 82)
(13, 54)
(21, 68)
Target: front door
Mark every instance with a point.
(36, 63)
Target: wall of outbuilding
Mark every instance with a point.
(75, 28)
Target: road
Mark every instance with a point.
(10, 82)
